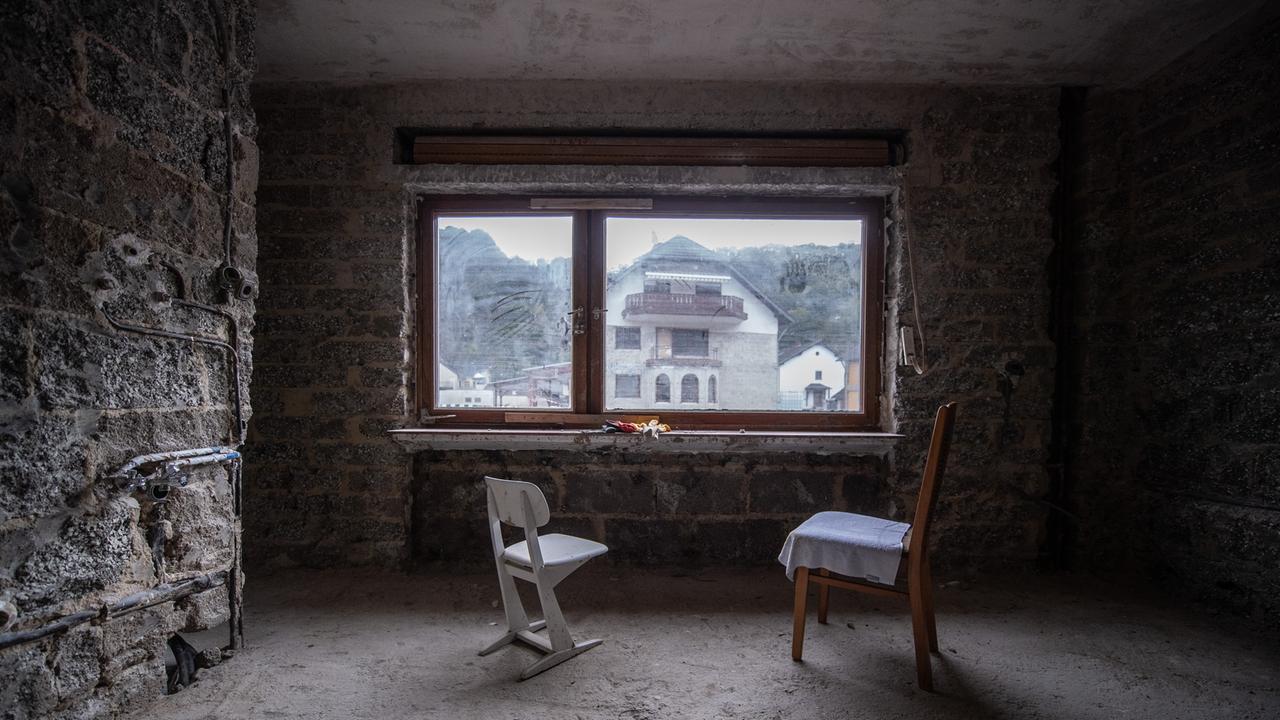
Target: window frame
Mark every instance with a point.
(588, 292)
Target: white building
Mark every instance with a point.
(446, 379)
(812, 378)
(687, 331)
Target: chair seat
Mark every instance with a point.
(853, 545)
(556, 550)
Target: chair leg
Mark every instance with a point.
(555, 658)
(824, 593)
(517, 619)
(931, 623)
(920, 630)
(557, 628)
(797, 629)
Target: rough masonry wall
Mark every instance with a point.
(692, 509)
(332, 360)
(1177, 462)
(112, 158)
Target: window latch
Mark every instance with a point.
(597, 313)
(578, 320)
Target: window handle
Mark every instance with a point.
(597, 313)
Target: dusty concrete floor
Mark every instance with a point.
(716, 645)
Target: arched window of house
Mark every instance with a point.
(711, 389)
(662, 389)
(689, 388)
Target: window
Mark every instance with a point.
(626, 338)
(626, 386)
(728, 291)
(689, 389)
(690, 343)
(662, 389)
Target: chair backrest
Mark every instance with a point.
(935, 467)
(507, 503)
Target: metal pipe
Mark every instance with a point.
(124, 606)
(235, 614)
(222, 16)
(129, 467)
(197, 339)
(219, 457)
(233, 335)
(171, 470)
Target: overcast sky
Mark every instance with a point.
(548, 236)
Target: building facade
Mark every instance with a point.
(812, 378)
(686, 331)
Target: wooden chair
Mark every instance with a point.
(543, 561)
(918, 586)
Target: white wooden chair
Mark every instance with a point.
(543, 561)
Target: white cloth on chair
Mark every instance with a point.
(852, 545)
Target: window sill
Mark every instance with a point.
(678, 441)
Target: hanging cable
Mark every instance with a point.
(918, 360)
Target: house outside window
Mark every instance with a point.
(757, 299)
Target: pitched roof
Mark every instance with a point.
(797, 353)
(684, 254)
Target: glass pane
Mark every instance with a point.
(503, 292)
(743, 314)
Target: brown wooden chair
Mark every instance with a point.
(917, 586)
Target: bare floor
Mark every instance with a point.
(717, 645)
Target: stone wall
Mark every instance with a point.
(333, 355)
(1179, 324)
(113, 159)
(693, 509)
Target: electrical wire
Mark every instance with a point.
(918, 360)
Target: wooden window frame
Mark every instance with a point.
(477, 148)
(589, 349)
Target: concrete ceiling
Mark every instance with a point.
(1035, 42)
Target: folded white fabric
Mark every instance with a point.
(852, 545)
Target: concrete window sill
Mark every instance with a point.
(679, 441)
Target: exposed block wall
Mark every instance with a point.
(695, 509)
(336, 321)
(1178, 322)
(112, 159)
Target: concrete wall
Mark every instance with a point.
(1178, 321)
(337, 227)
(112, 157)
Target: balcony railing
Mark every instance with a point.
(665, 356)
(684, 304)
